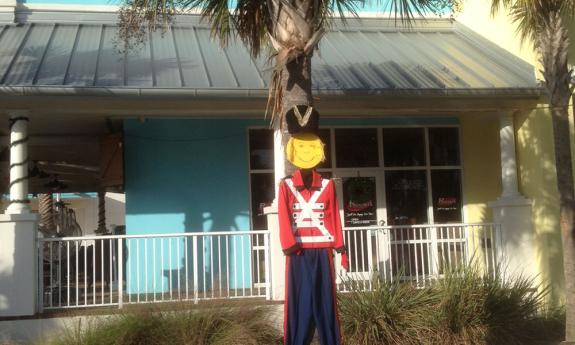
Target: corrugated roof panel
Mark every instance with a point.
(390, 61)
(427, 64)
(110, 70)
(191, 62)
(337, 63)
(265, 67)
(361, 63)
(474, 59)
(139, 66)
(406, 62)
(11, 38)
(82, 69)
(379, 62)
(217, 64)
(368, 55)
(27, 60)
(322, 74)
(243, 66)
(58, 54)
(457, 70)
(511, 63)
(165, 63)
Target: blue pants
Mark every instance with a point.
(310, 298)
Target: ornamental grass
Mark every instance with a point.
(465, 307)
(210, 326)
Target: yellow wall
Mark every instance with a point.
(481, 164)
(534, 146)
(538, 182)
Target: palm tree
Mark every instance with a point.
(544, 22)
(292, 27)
(46, 210)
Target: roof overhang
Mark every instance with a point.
(71, 56)
(133, 103)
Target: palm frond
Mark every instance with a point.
(529, 22)
(339, 8)
(252, 19)
(216, 12)
(407, 10)
(497, 5)
(154, 13)
(531, 15)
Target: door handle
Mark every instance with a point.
(382, 222)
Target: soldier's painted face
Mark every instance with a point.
(305, 151)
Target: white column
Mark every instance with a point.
(277, 262)
(18, 230)
(512, 210)
(279, 160)
(18, 264)
(19, 202)
(508, 160)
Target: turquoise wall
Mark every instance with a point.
(186, 176)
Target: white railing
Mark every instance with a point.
(93, 271)
(417, 253)
(125, 269)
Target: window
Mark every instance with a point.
(444, 146)
(261, 149)
(418, 173)
(406, 197)
(262, 189)
(446, 187)
(359, 201)
(324, 135)
(403, 147)
(356, 147)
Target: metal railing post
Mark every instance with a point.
(195, 266)
(435, 269)
(267, 257)
(468, 244)
(40, 250)
(120, 263)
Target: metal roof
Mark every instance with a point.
(368, 56)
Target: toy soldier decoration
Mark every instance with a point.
(310, 229)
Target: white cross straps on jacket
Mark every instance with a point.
(309, 214)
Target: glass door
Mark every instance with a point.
(407, 200)
(362, 212)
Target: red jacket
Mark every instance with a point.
(308, 218)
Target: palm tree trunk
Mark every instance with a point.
(553, 44)
(101, 212)
(296, 86)
(567, 212)
(46, 210)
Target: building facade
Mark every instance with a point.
(434, 135)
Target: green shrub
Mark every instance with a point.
(391, 313)
(479, 308)
(216, 325)
(464, 307)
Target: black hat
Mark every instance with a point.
(302, 119)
